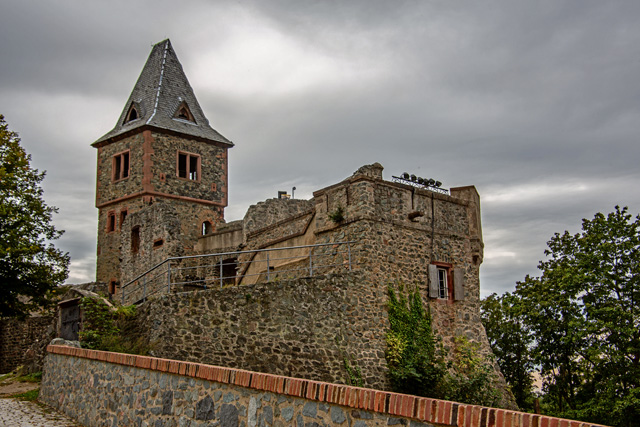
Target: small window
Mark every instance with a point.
(184, 113)
(123, 216)
(446, 282)
(111, 222)
(189, 166)
(207, 228)
(113, 285)
(158, 243)
(120, 166)
(443, 283)
(132, 114)
(135, 239)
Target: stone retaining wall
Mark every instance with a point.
(110, 389)
(304, 327)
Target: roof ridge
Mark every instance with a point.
(162, 83)
(164, 59)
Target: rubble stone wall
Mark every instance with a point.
(305, 328)
(17, 337)
(153, 177)
(97, 388)
(399, 230)
(269, 212)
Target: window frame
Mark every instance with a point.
(455, 282)
(444, 290)
(118, 164)
(123, 215)
(188, 164)
(111, 221)
(206, 227)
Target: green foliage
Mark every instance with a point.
(415, 361)
(584, 312)
(354, 374)
(337, 216)
(470, 376)
(511, 341)
(35, 377)
(110, 328)
(31, 395)
(30, 266)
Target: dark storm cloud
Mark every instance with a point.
(535, 103)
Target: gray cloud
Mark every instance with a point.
(535, 103)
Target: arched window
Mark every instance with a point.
(207, 228)
(132, 114)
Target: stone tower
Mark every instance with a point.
(161, 174)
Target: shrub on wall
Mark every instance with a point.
(110, 328)
(416, 357)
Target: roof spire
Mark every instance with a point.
(163, 98)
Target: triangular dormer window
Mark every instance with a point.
(133, 113)
(184, 113)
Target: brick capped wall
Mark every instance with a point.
(97, 388)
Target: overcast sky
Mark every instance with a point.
(536, 103)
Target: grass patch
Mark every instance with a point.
(36, 377)
(30, 396)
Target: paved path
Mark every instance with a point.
(18, 413)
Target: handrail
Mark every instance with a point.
(173, 269)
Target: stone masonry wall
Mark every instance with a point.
(398, 231)
(110, 389)
(109, 242)
(271, 211)
(304, 327)
(153, 177)
(392, 247)
(16, 338)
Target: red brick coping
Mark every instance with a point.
(402, 405)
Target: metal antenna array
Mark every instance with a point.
(417, 181)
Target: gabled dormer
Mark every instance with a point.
(163, 99)
(134, 112)
(183, 112)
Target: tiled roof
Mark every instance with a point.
(159, 92)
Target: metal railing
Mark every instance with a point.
(194, 272)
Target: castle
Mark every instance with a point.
(161, 192)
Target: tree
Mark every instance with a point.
(30, 266)
(511, 342)
(584, 312)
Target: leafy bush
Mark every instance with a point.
(416, 358)
(337, 216)
(110, 329)
(470, 376)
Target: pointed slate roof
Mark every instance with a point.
(160, 92)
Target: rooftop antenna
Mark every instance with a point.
(420, 182)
